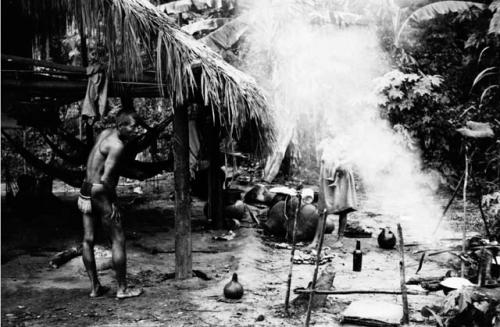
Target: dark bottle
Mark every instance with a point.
(357, 257)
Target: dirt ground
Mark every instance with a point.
(34, 294)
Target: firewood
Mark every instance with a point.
(61, 258)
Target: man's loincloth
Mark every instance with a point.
(85, 197)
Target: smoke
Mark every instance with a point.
(320, 79)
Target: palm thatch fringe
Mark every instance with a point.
(136, 34)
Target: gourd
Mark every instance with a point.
(233, 290)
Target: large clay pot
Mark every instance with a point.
(231, 195)
(280, 220)
(235, 210)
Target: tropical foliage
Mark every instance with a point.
(447, 65)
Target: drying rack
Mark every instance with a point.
(312, 290)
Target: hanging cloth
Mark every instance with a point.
(94, 104)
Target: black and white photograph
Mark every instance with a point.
(250, 163)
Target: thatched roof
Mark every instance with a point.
(137, 36)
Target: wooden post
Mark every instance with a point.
(464, 223)
(89, 134)
(215, 205)
(25, 170)
(83, 40)
(294, 232)
(183, 242)
(80, 127)
(315, 276)
(404, 291)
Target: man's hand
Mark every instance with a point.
(115, 213)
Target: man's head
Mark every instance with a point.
(126, 125)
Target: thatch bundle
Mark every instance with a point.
(138, 36)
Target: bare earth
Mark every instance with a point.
(33, 294)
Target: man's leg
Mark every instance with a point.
(342, 226)
(88, 256)
(120, 259)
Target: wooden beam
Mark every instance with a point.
(346, 292)
(75, 89)
(183, 241)
(42, 63)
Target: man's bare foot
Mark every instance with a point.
(128, 292)
(99, 291)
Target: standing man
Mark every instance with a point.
(98, 199)
(337, 191)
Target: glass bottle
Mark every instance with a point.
(357, 257)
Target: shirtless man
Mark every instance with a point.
(100, 189)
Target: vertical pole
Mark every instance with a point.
(80, 128)
(83, 40)
(464, 225)
(404, 292)
(215, 205)
(315, 276)
(294, 232)
(24, 145)
(183, 242)
(89, 133)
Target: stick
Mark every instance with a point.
(449, 204)
(421, 262)
(480, 204)
(404, 291)
(289, 281)
(310, 291)
(464, 226)
(315, 276)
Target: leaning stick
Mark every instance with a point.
(315, 276)
(404, 291)
(464, 226)
(448, 205)
(294, 232)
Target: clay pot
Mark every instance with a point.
(235, 210)
(231, 195)
(386, 239)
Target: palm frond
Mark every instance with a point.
(433, 10)
(136, 33)
(486, 91)
(490, 71)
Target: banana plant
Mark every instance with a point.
(435, 9)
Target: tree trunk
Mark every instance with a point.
(183, 242)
